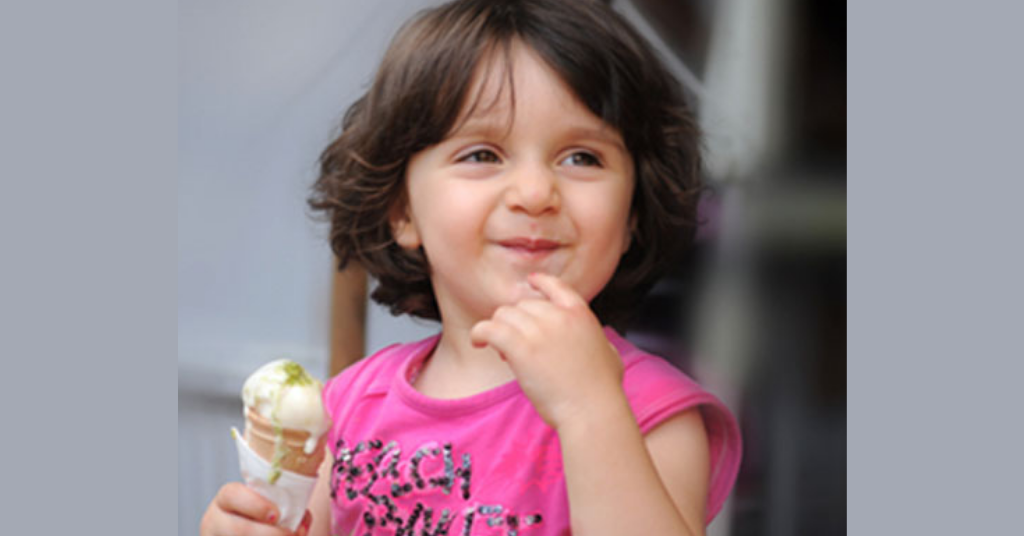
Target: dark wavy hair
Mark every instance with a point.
(416, 99)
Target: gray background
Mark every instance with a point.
(87, 286)
(934, 268)
(87, 279)
(262, 87)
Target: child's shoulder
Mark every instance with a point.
(656, 389)
(642, 367)
(372, 371)
(371, 374)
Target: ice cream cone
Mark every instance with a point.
(259, 434)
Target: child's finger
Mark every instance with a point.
(307, 520)
(494, 334)
(237, 498)
(554, 289)
(518, 317)
(234, 524)
(539, 309)
(478, 335)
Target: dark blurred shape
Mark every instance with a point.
(684, 26)
(792, 400)
(818, 99)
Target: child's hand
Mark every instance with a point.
(238, 510)
(557, 350)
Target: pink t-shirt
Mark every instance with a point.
(486, 464)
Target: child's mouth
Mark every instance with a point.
(530, 248)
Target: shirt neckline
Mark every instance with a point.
(445, 406)
(465, 405)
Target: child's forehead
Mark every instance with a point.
(490, 93)
(491, 99)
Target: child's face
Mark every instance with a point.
(545, 190)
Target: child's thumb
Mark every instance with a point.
(307, 520)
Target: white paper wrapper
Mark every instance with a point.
(290, 492)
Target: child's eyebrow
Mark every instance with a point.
(483, 127)
(493, 128)
(597, 134)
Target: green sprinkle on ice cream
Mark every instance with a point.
(285, 394)
(295, 375)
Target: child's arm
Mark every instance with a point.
(622, 483)
(618, 481)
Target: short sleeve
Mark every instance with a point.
(656, 391)
(334, 396)
(344, 391)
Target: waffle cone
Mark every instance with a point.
(259, 434)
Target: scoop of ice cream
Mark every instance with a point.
(285, 394)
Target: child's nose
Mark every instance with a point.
(533, 189)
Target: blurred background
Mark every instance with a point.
(757, 314)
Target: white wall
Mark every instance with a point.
(262, 86)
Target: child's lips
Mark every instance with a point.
(531, 248)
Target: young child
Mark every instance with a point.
(521, 171)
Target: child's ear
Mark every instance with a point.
(404, 230)
(627, 240)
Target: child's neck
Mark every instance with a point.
(457, 369)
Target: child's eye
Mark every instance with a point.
(580, 158)
(481, 156)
